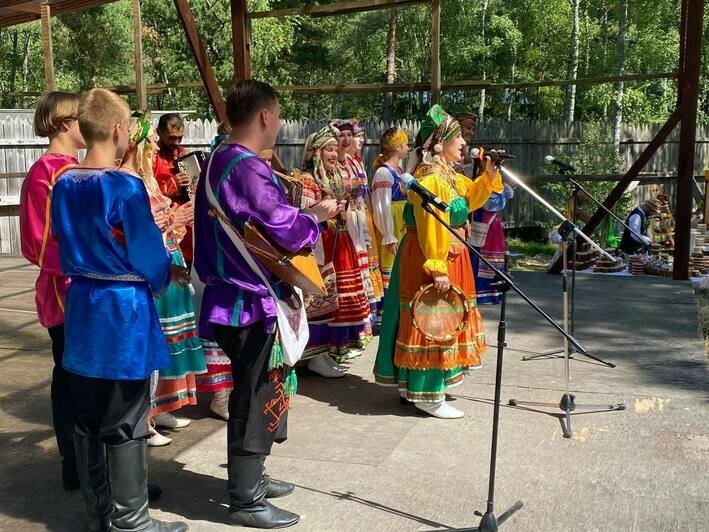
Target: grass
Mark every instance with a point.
(530, 249)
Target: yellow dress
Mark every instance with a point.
(424, 369)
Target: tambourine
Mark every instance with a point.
(440, 317)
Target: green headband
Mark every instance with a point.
(145, 125)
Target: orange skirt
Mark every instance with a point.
(173, 394)
(413, 350)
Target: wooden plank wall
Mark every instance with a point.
(529, 141)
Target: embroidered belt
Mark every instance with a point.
(122, 277)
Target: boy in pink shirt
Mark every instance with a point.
(56, 118)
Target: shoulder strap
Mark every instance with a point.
(229, 229)
(392, 172)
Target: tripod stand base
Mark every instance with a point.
(567, 404)
(490, 523)
(560, 353)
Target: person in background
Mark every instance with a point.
(218, 379)
(637, 241)
(55, 118)
(355, 182)
(113, 252)
(374, 262)
(176, 383)
(172, 183)
(488, 237)
(332, 340)
(389, 197)
(468, 165)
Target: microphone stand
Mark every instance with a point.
(567, 404)
(489, 522)
(566, 230)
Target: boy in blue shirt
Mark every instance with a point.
(114, 255)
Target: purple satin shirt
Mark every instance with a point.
(233, 294)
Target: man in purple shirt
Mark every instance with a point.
(237, 310)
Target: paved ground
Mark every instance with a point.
(361, 461)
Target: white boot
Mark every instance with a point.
(440, 410)
(220, 404)
(325, 367)
(169, 421)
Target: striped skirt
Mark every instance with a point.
(177, 384)
(218, 376)
(350, 327)
(494, 250)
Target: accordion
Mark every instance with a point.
(293, 185)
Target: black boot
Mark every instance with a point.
(128, 478)
(92, 475)
(275, 489)
(247, 495)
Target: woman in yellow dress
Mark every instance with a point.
(422, 369)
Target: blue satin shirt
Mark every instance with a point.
(114, 254)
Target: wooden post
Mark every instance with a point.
(47, 52)
(689, 90)
(435, 51)
(240, 40)
(205, 69)
(141, 95)
(706, 196)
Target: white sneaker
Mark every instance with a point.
(169, 421)
(440, 410)
(156, 439)
(325, 368)
(220, 404)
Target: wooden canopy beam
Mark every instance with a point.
(141, 95)
(435, 51)
(689, 91)
(58, 8)
(50, 83)
(334, 88)
(240, 39)
(337, 8)
(211, 85)
(24, 7)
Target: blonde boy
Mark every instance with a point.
(113, 252)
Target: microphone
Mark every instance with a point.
(496, 156)
(426, 195)
(566, 167)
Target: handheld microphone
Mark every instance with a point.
(426, 195)
(561, 164)
(497, 157)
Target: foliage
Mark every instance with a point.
(594, 155)
(525, 41)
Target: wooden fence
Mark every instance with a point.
(529, 141)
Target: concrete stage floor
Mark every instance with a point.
(362, 461)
